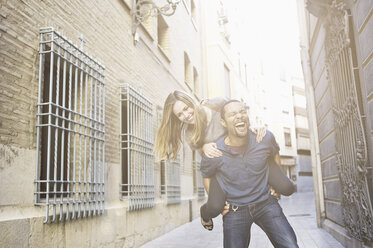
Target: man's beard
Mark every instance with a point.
(240, 134)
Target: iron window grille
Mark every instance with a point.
(170, 180)
(136, 144)
(198, 187)
(70, 130)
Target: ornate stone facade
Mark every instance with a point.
(335, 41)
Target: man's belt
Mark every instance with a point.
(235, 208)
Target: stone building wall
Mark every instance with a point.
(331, 182)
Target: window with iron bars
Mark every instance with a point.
(197, 178)
(170, 180)
(70, 131)
(136, 144)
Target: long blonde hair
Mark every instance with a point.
(168, 140)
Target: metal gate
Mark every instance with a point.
(351, 145)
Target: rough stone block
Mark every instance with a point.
(17, 167)
(332, 189)
(368, 73)
(362, 10)
(371, 115)
(46, 235)
(366, 40)
(318, 47)
(329, 167)
(327, 147)
(323, 107)
(326, 125)
(14, 233)
(321, 87)
(334, 212)
(318, 69)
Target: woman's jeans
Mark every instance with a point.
(215, 202)
(268, 216)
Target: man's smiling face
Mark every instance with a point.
(235, 119)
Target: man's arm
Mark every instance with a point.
(209, 166)
(277, 178)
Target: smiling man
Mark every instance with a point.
(242, 173)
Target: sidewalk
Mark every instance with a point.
(298, 208)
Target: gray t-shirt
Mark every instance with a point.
(214, 129)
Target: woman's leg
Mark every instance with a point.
(278, 180)
(215, 202)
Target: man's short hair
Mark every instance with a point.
(222, 110)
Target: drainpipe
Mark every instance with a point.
(311, 112)
(314, 140)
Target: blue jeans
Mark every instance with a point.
(267, 215)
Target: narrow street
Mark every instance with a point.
(298, 208)
(105, 106)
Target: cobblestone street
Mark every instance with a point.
(298, 208)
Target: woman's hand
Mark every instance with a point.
(226, 209)
(211, 151)
(260, 133)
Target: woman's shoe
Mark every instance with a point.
(209, 225)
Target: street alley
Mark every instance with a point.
(298, 208)
(105, 106)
